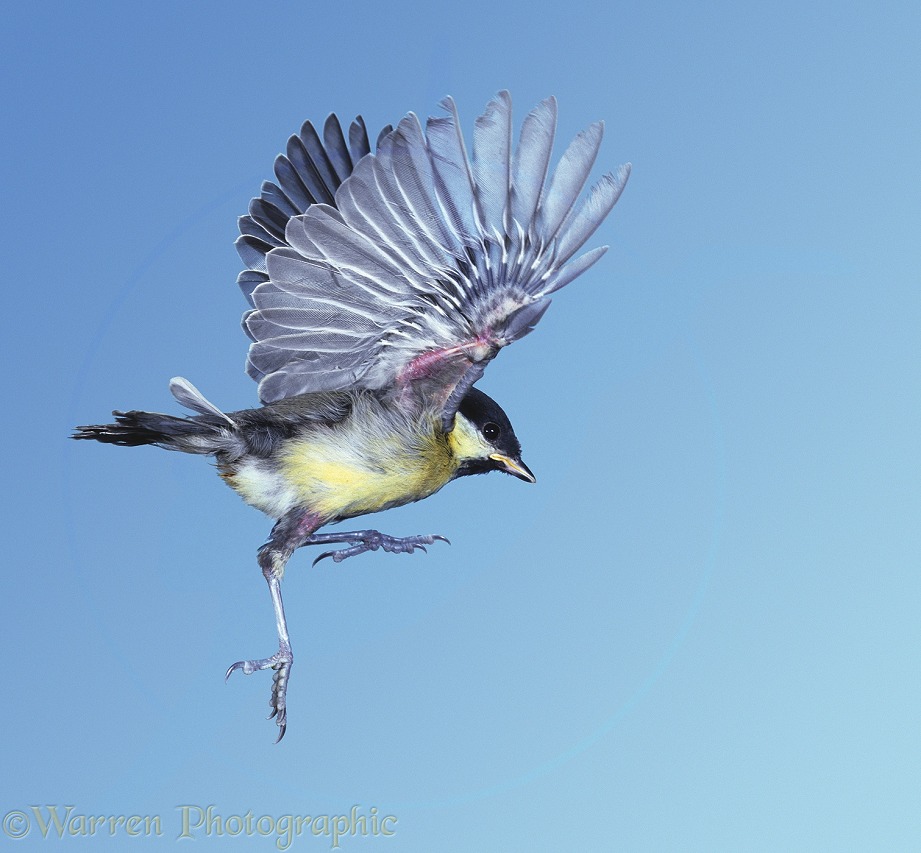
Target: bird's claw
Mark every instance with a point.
(280, 662)
(277, 702)
(372, 541)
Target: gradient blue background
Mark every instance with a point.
(699, 631)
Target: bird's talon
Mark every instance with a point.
(240, 664)
(372, 540)
(280, 663)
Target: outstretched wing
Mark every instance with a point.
(427, 263)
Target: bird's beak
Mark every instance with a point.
(515, 467)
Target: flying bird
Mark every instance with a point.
(381, 284)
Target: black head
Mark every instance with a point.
(488, 440)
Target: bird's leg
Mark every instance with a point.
(293, 530)
(369, 540)
(289, 533)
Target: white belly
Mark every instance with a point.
(264, 489)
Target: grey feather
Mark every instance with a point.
(532, 159)
(524, 319)
(288, 414)
(336, 148)
(492, 140)
(275, 195)
(385, 132)
(571, 271)
(308, 157)
(248, 281)
(269, 215)
(582, 220)
(451, 170)
(299, 197)
(249, 227)
(252, 252)
(279, 385)
(358, 139)
(189, 396)
(567, 181)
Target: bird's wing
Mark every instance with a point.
(427, 262)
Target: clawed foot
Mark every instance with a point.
(280, 662)
(371, 540)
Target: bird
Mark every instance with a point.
(380, 284)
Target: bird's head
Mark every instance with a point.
(483, 439)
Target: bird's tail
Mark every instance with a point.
(211, 431)
(131, 429)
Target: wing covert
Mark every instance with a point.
(423, 262)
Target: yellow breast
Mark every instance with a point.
(347, 471)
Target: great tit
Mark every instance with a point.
(381, 285)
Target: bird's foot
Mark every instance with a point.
(371, 540)
(281, 662)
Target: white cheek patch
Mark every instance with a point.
(467, 442)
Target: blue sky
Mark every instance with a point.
(698, 631)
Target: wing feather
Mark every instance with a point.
(336, 148)
(249, 227)
(452, 179)
(585, 219)
(567, 180)
(358, 139)
(249, 280)
(532, 159)
(299, 198)
(252, 252)
(492, 140)
(564, 275)
(308, 158)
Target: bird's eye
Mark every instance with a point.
(491, 431)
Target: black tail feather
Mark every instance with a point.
(132, 429)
